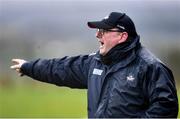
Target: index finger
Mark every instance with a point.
(16, 61)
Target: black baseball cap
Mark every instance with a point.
(115, 20)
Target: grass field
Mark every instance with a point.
(42, 101)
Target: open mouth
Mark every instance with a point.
(101, 44)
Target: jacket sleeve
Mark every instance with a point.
(161, 93)
(68, 71)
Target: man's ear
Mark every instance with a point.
(123, 37)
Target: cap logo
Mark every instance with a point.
(121, 27)
(106, 17)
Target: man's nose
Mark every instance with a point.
(98, 34)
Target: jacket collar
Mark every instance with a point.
(121, 54)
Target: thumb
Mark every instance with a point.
(15, 66)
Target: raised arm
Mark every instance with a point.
(68, 71)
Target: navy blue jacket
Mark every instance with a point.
(128, 82)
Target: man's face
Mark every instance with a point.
(108, 40)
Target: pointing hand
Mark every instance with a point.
(17, 65)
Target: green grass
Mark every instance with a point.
(178, 92)
(42, 101)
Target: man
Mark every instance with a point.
(123, 78)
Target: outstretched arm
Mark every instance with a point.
(68, 71)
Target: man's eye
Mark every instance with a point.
(104, 30)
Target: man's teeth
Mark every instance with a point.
(101, 44)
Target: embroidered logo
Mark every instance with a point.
(130, 78)
(97, 71)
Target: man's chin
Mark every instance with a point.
(102, 53)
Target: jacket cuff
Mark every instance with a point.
(25, 68)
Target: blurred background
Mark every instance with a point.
(31, 29)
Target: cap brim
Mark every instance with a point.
(99, 25)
